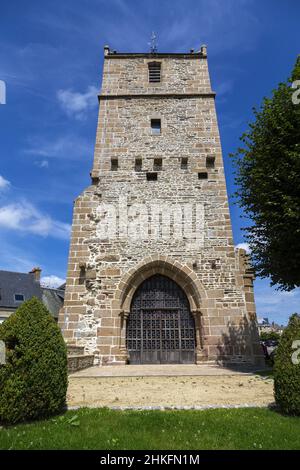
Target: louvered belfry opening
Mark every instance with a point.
(154, 72)
(160, 328)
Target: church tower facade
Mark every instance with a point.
(153, 275)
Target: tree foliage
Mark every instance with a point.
(287, 369)
(269, 335)
(33, 382)
(268, 180)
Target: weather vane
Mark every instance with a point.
(153, 43)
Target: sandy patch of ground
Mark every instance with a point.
(170, 391)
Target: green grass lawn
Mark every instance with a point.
(252, 428)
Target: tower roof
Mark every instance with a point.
(202, 53)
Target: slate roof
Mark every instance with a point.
(53, 299)
(12, 283)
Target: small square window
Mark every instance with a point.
(210, 161)
(138, 164)
(114, 164)
(202, 175)
(184, 163)
(151, 176)
(157, 165)
(19, 297)
(155, 126)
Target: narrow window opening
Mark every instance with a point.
(154, 72)
(184, 163)
(202, 175)
(82, 277)
(157, 165)
(155, 126)
(210, 161)
(114, 164)
(151, 176)
(138, 164)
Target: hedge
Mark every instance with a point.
(34, 380)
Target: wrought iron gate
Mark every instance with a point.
(160, 326)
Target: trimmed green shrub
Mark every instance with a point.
(286, 370)
(33, 382)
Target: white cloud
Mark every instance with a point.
(77, 104)
(13, 259)
(67, 147)
(228, 121)
(4, 184)
(236, 22)
(223, 88)
(268, 298)
(244, 246)
(52, 281)
(42, 164)
(275, 304)
(24, 217)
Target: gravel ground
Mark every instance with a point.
(170, 392)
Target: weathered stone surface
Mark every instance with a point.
(104, 269)
(79, 362)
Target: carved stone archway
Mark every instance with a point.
(184, 276)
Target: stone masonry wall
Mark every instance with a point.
(93, 314)
(181, 75)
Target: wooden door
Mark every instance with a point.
(160, 329)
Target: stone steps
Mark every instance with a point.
(77, 360)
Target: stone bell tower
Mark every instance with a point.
(153, 276)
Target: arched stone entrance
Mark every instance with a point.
(160, 326)
(182, 275)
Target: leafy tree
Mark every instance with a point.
(268, 180)
(287, 368)
(266, 335)
(33, 382)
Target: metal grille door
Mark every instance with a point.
(160, 327)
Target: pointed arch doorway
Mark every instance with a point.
(160, 326)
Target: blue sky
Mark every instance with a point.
(51, 56)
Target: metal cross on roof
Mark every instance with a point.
(153, 43)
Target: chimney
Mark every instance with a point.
(37, 273)
(203, 50)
